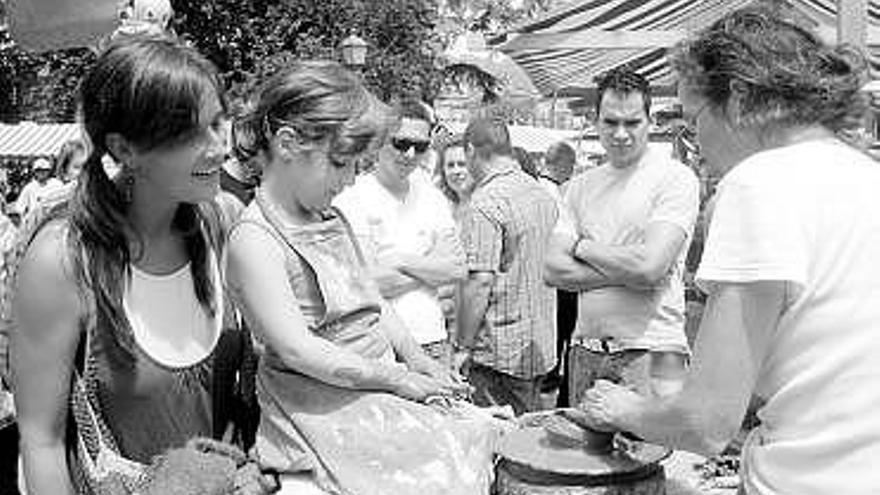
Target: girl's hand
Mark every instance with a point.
(444, 374)
(418, 387)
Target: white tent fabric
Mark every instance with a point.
(558, 70)
(30, 139)
(530, 138)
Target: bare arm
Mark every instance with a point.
(257, 274)
(401, 272)
(391, 281)
(734, 336)
(564, 271)
(47, 309)
(405, 346)
(639, 265)
(410, 352)
(444, 263)
(472, 306)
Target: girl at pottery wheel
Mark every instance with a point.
(789, 265)
(342, 386)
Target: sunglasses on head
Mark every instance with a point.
(403, 145)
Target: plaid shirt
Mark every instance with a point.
(505, 230)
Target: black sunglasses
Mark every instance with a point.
(403, 145)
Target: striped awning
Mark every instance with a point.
(530, 138)
(538, 139)
(31, 139)
(565, 68)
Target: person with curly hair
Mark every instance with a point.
(789, 265)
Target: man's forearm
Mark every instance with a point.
(392, 282)
(619, 265)
(472, 306)
(565, 272)
(433, 270)
(679, 424)
(442, 264)
(578, 276)
(640, 263)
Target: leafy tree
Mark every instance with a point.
(491, 19)
(249, 39)
(40, 86)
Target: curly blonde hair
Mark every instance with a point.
(790, 77)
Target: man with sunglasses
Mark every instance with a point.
(405, 226)
(621, 243)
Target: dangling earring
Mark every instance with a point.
(126, 183)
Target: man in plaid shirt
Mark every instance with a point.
(506, 314)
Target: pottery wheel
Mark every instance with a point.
(532, 448)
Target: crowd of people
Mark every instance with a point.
(359, 307)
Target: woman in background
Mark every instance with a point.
(70, 160)
(456, 182)
(454, 176)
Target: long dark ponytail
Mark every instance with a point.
(149, 91)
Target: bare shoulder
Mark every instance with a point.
(45, 272)
(251, 243)
(47, 304)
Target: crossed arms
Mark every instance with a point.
(582, 263)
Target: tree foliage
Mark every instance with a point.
(491, 19)
(38, 86)
(250, 39)
(41, 86)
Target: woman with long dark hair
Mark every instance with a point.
(123, 284)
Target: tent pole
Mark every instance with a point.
(553, 110)
(852, 23)
(852, 28)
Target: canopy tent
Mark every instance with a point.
(564, 50)
(30, 139)
(530, 138)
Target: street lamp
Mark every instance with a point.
(354, 51)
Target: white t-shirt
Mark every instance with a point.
(167, 319)
(809, 214)
(382, 223)
(616, 206)
(33, 194)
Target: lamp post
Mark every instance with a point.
(354, 52)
